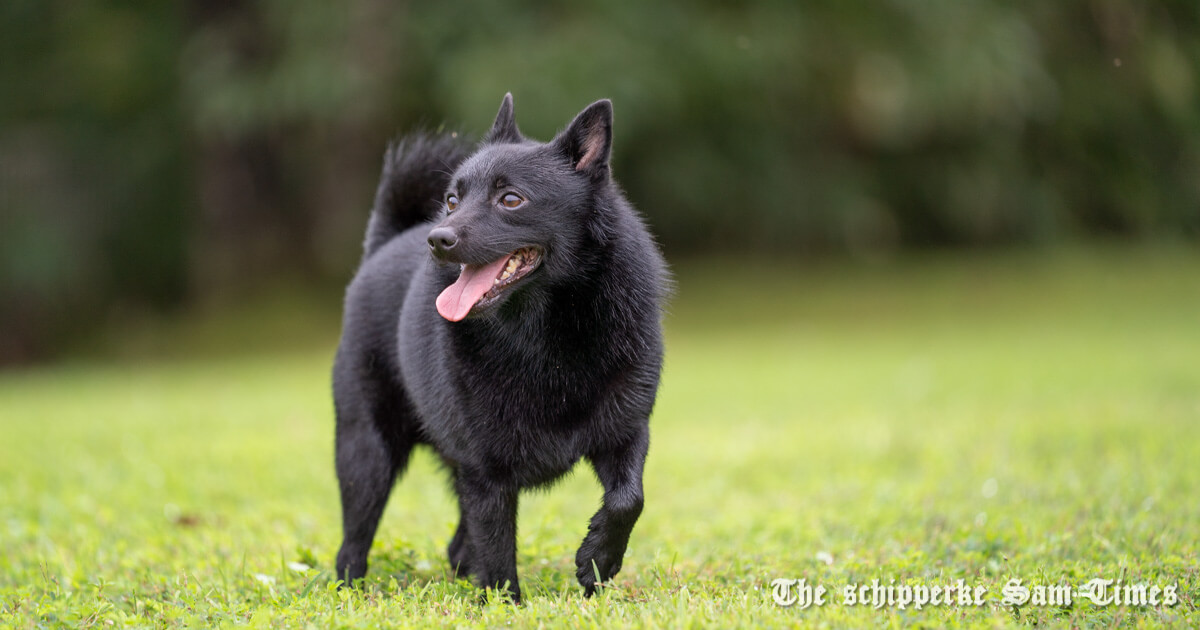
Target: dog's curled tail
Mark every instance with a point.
(416, 171)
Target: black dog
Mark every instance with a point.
(507, 312)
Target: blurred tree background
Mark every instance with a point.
(154, 154)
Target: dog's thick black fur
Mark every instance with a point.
(507, 313)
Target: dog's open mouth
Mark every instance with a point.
(480, 285)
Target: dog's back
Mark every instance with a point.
(416, 169)
(531, 338)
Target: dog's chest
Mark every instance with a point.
(535, 420)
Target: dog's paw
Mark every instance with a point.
(460, 564)
(589, 564)
(507, 592)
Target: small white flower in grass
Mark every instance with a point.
(825, 556)
(423, 565)
(298, 567)
(264, 578)
(989, 488)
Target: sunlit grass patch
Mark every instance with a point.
(1016, 417)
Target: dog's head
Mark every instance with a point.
(518, 213)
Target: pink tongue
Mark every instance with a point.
(457, 300)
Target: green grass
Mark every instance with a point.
(1032, 416)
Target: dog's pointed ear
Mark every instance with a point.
(587, 141)
(505, 127)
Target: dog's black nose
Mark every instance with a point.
(442, 239)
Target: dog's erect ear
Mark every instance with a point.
(588, 139)
(505, 127)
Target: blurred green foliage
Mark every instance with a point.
(154, 152)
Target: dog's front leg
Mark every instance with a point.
(490, 512)
(620, 472)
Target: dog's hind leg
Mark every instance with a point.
(459, 550)
(368, 460)
(620, 472)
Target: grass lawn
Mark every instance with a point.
(1030, 416)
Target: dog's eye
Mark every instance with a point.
(451, 202)
(511, 200)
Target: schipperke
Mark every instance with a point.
(507, 312)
